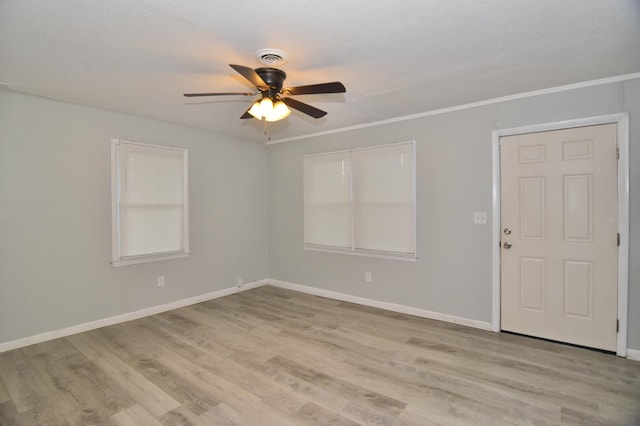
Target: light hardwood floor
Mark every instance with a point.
(275, 357)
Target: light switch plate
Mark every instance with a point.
(480, 218)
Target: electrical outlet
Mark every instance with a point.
(239, 281)
(367, 277)
(480, 218)
(161, 281)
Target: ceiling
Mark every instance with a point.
(396, 58)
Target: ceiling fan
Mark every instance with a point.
(275, 100)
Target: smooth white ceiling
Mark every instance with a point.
(396, 58)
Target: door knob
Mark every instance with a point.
(507, 245)
(507, 231)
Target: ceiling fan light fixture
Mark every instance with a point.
(269, 83)
(262, 108)
(280, 111)
(255, 110)
(265, 109)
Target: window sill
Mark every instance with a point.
(406, 257)
(134, 260)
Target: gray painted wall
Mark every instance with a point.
(632, 106)
(454, 178)
(55, 216)
(55, 222)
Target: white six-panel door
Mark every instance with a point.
(559, 235)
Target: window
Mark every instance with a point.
(361, 201)
(149, 202)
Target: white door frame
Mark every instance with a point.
(622, 125)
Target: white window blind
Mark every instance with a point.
(383, 207)
(327, 198)
(361, 201)
(150, 202)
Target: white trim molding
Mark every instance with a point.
(92, 325)
(622, 122)
(524, 95)
(393, 307)
(633, 354)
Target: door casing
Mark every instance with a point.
(622, 125)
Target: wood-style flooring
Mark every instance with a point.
(270, 356)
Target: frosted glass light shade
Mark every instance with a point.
(280, 111)
(265, 109)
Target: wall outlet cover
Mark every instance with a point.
(480, 218)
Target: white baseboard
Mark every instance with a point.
(394, 307)
(92, 325)
(633, 354)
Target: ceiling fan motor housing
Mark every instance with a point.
(274, 78)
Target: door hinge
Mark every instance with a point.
(618, 239)
(618, 152)
(617, 325)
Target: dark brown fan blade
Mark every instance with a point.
(306, 108)
(191, 95)
(246, 114)
(251, 75)
(312, 89)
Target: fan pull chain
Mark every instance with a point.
(267, 133)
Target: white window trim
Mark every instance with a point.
(116, 259)
(410, 257)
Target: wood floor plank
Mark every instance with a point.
(46, 414)
(8, 413)
(270, 356)
(317, 414)
(326, 399)
(182, 416)
(222, 415)
(87, 344)
(169, 340)
(96, 384)
(135, 415)
(137, 387)
(191, 397)
(26, 388)
(273, 394)
(66, 377)
(335, 385)
(4, 392)
(234, 396)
